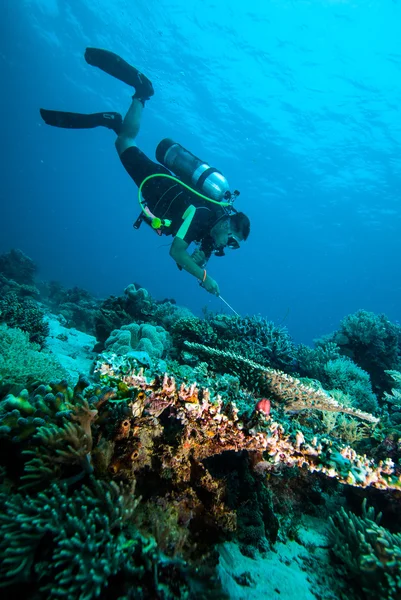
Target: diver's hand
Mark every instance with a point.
(211, 286)
(199, 257)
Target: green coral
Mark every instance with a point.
(86, 545)
(22, 363)
(371, 554)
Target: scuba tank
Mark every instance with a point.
(192, 170)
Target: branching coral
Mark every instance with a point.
(254, 337)
(286, 390)
(370, 552)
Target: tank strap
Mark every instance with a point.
(204, 176)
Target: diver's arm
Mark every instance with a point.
(200, 258)
(178, 252)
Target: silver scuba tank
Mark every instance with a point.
(192, 170)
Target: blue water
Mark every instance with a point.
(297, 102)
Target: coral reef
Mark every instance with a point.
(255, 338)
(371, 554)
(15, 265)
(26, 315)
(135, 305)
(209, 428)
(22, 363)
(373, 342)
(394, 398)
(92, 544)
(288, 391)
(337, 373)
(77, 306)
(129, 474)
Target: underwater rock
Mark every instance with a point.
(17, 266)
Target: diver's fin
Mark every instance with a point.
(117, 67)
(69, 120)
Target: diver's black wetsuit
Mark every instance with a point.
(169, 200)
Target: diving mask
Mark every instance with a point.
(233, 242)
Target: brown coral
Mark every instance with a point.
(209, 428)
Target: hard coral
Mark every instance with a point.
(254, 337)
(151, 339)
(114, 312)
(336, 372)
(26, 315)
(373, 342)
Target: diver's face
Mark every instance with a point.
(220, 233)
(224, 236)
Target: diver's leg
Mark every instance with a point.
(130, 126)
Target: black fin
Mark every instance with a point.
(117, 67)
(70, 120)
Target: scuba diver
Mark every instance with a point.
(182, 196)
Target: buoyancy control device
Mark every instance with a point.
(194, 174)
